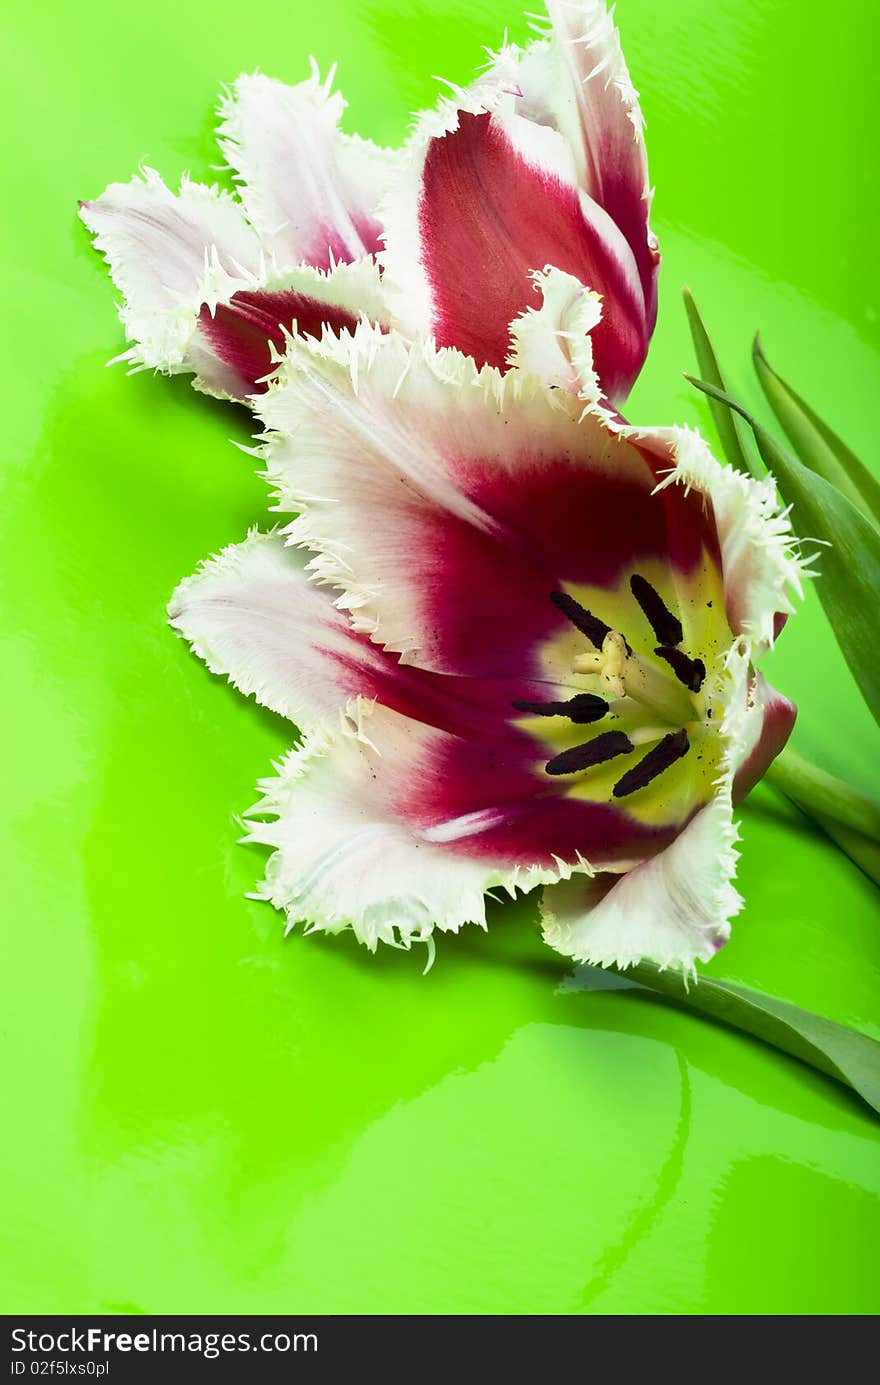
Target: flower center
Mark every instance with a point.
(625, 674)
(662, 696)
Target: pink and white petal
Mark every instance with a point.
(401, 212)
(344, 856)
(762, 567)
(491, 799)
(213, 376)
(497, 199)
(310, 191)
(770, 725)
(359, 434)
(447, 504)
(673, 910)
(246, 334)
(252, 614)
(367, 170)
(554, 343)
(168, 253)
(578, 79)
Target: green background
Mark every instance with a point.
(205, 1117)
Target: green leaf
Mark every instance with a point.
(738, 454)
(820, 449)
(842, 1053)
(849, 578)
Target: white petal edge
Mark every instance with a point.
(251, 614)
(168, 254)
(761, 560)
(581, 43)
(553, 343)
(343, 860)
(674, 910)
(296, 170)
(171, 254)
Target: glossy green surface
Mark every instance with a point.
(204, 1117)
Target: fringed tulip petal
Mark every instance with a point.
(474, 780)
(447, 504)
(673, 910)
(553, 342)
(198, 297)
(346, 854)
(770, 730)
(529, 168)
(310, 190)
(581, 81)
(248, 332)
(251, 613)
(208, 292)
(763, 568)
(168, 254)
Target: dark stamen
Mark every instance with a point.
(666, 626)
(593, 752)
(664, 754)
(689, 671)
(588, 624)
(581, 709)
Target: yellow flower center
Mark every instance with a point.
(623, 673)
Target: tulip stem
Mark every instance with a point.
(851, 818)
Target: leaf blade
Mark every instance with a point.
(817, 446)
(738, 455)
(850, 578)
(842, 1053)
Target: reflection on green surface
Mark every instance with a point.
(209, 1118)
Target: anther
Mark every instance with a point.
(582, 709)
(584, 620)
(594, 752)
(690, 672)
(667, 627)
(670, 749)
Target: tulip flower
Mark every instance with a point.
(541, 161)
(520, 639)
